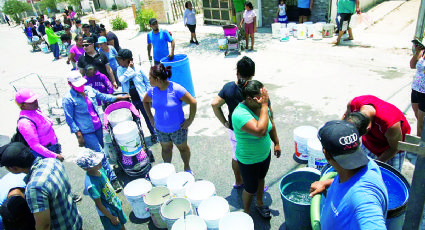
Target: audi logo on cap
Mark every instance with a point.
(348, 140)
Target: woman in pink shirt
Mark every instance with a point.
(35, 127)
(250, 20)
(76, 51)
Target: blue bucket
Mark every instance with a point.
(297, 213)
(398, 194)
(180, 71)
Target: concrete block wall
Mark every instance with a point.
(269, 8)
(320, 11)
(158, 7)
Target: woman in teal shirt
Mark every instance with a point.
(254, 131)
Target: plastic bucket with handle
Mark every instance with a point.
(212, 210)
(177, 183)
(154, 199)
(174, 209)
(134, 192)
(199, 191)
(236, 220)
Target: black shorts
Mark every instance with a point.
(252, 173)
(344, 21)
(192, 28)
(304, 11)
(419, 98)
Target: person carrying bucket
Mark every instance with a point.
(357, 197)
(167, 99)
(159, 39)
(254, 130)
(99, 188)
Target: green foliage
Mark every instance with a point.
(114, 7)
(14, 8)
(51, 4)
(118, 23)
(143, 16)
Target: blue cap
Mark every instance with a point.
(101, 39)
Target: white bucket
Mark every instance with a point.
(316, 158)
(174, 209)
(44, 48)
(301, 136)
(127, 136)
(134, 192)
(119, 115)
(154, 199)
(177, 183)
(222, 44)
(318, 31)
(236, 220)
(160, 173)
(190, 222)
(199, 191)
(284, 34)
(276, 30)
(310, 30)
(301, 31)
(328, 30)
(291, 28)
(109, 148)
(212, 210)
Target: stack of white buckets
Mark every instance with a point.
(316, 31)
(177, 202)
(308, 148)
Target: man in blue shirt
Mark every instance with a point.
(304, 10)
(159, 39)
(357, 197)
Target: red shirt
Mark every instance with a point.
(386, 116)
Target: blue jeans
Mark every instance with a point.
(57, 148)
(139, 106)
(94, 141)
(55, 50)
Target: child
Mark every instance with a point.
(249, 17)
(108, 204)
(98, 81)
(189, 19)
(281, 12)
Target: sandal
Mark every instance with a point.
(264, 211)
(235, 186)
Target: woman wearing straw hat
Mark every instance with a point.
(94, 28)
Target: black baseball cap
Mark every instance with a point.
(86, 25)
(15, 154)
(125, 54)
(88, 40)
(152, 21)
(341, 140)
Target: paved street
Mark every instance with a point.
(309, 82)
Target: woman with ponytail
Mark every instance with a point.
(231, 95)
(167, 99)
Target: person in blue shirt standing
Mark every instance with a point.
(357, 197)
(159, 39)
(304, 10)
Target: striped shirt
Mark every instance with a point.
(48, 188)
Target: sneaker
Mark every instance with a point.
(190, 171)
(76, 198)
(197, 43)
(191, 41)
(117, 186)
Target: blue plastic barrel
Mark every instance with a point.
(398, 194)
(180, 71)
(297, 214)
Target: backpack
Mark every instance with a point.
(17, 137)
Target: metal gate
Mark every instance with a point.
(217, 12)
(178, 8)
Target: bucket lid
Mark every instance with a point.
(236, 220)
(162, 170)
(137, 187)
(305, 131)
(175, 208)
(120, 115)
(180, 180)
(125, 127)
(191, 222)
(213, 208)
(200, 190)
(157, 196)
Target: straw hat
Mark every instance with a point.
(91, 18)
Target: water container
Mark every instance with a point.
(291, 28)
(301, 136)
(160, 173)
(212, 210)
(310, 30)
(180, 71)
(301, 31)
(294, 190)
(276, 30)
(119, 115)
(284, 34)
(127, 136)
(109, 149)
(316, 158)
(318, 31)
(177, 183)
(190, 222)
(328, 30)
(134, 192)
(154, 199)
(398, 194)
(199, 191)
(222, 44)
(236, 220)
(44, 48)
(174, 209)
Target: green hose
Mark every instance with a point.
(315, 204)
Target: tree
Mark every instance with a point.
(14, 8)
(51, 4)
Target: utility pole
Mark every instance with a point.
(419, 34)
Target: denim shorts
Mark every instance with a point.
(397, 161)
(177, 137)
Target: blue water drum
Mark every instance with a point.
(398, 194)
(180, 71)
